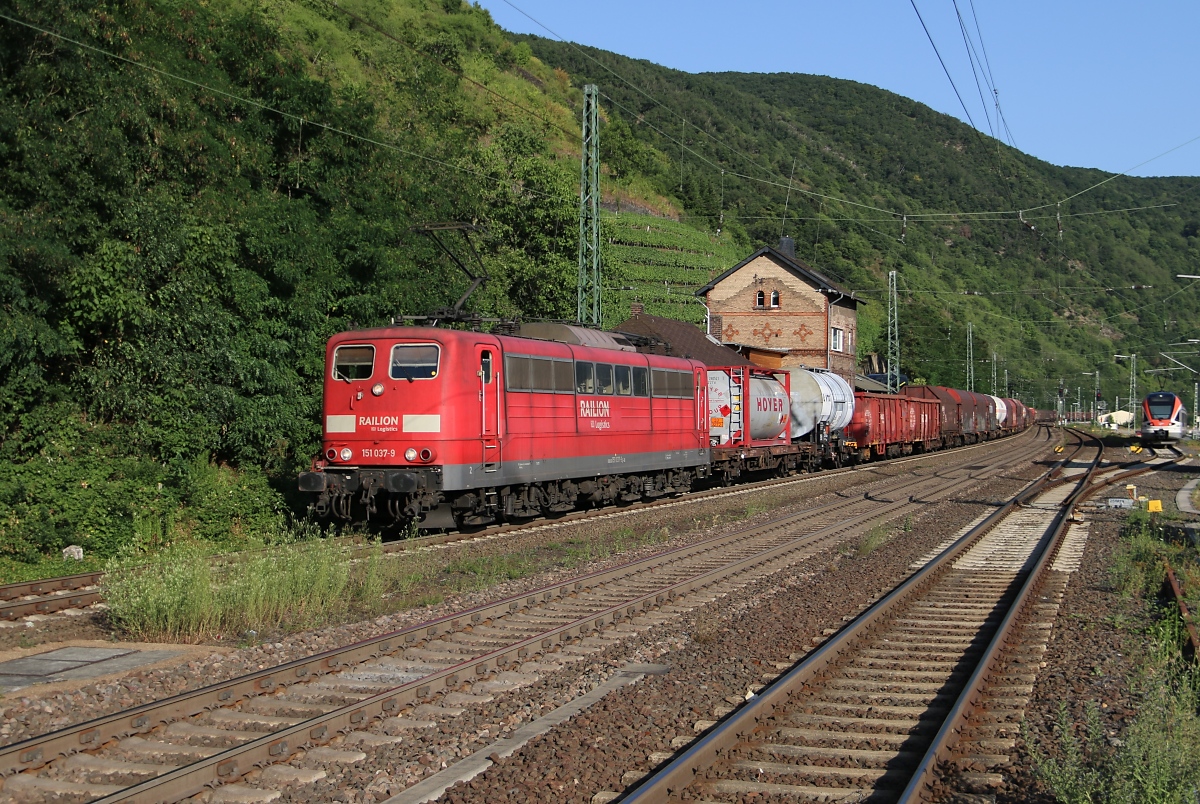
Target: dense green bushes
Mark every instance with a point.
(174, 259)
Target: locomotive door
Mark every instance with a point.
(486, 358)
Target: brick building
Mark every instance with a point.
(780, 313)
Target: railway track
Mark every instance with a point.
(53, 595)
(878, 710)
(172, 749)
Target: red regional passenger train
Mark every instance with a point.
(448, 428)
(1164, 418)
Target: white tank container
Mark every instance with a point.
(1001, 411)
(765, 408)
(819, 398)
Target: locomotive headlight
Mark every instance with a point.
(377, 389)
(410, 454)
(346, 454)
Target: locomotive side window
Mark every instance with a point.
(414, 361)
(543, 374)
(516, 369)
(353, 362)
(539, 374)
(564, 382)
(604, 378)
(672, 384)
(641, 381)
(623, 380)
(658, 382)
(681, 385)
(585, 380)
(485, 366)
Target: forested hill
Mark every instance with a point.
(195, 195)
(1050, 307)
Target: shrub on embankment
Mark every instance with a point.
(174, 259)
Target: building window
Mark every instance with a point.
(760, 299)
(836, 339)
(774, 298)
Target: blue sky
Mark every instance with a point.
(1089, 84)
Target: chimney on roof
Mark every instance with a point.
(787, 246)
(636, 308)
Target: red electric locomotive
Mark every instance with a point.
(452, 428)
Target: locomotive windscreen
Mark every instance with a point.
(353, 362)
(414, 361)
(1161, 408)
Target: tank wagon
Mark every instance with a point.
(448, 428)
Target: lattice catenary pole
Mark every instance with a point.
(1133, 406)
(893, 355)
(589, 310)
(970, 357)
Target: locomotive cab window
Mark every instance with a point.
(604, 378)
(623, 380)
(414, 361)
(353, 362)
(585, 380)
(641, 381)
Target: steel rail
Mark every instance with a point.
(87, 736)
(665, 784)
(191, 779)
(970, 701)
(1176, 591)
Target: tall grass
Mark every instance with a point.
(1156, 759)
(182, 593)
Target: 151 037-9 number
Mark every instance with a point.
(379, 453)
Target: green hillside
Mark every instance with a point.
(180, 241)
(1050, 307)
(195, 196)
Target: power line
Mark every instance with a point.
(751, 161)
(635, 87)
(972, 57)
(991, 78)
(266, 108)
(943, 63)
